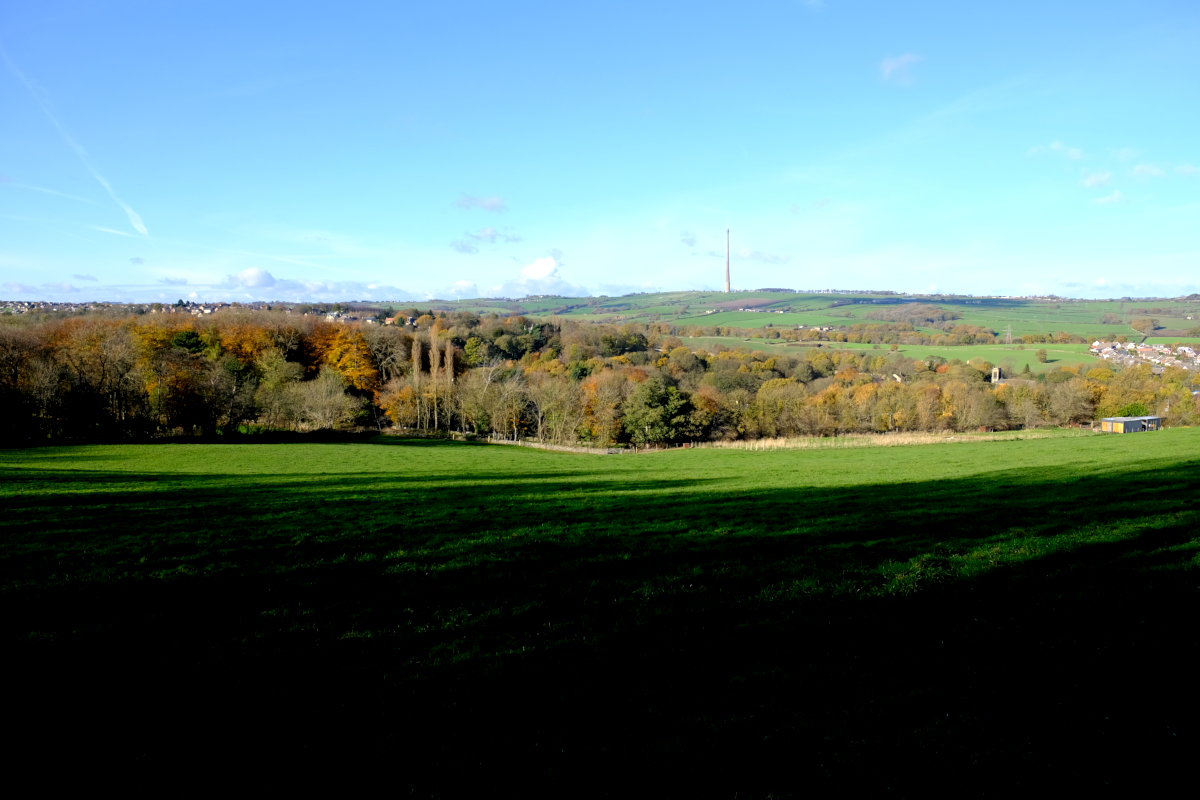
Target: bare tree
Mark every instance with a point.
(323, 402)
(389, 346)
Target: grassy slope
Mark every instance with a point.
(1057, 355)
(754, 622)
(1025, 316)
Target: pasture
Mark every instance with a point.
(1056, 354)
(687, 308)
(717, 622)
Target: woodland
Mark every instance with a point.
(239, 372)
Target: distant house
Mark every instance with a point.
(1130, 424)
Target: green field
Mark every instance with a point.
(1056, 354)
(883, 620)
(687, 308)
(752, 319)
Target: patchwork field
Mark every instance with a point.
(687, 308)
(695, 622)
(1056, 354)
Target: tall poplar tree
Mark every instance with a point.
(416, 379)
(435, 363)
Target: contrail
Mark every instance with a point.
(135, 219)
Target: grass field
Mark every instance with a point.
(885, 621)
(1056, 354)
(687, 308)
(753, 319)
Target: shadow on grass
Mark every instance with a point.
(1023, 630)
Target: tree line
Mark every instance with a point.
(562, 382)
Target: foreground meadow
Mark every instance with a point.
(722, 621)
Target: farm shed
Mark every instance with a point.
(1130, 424)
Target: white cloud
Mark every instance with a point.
(540, 269)
(1125, 154)
(173, 281)
(1187, 169)
(541, 277)
(1096, 179)
(896, 69)
(325, 291)
(109, 230)
(493, 203)
(254, 277)
(463, 246)
(1115, 197)
(688, 238)
(1148, 171)
(84, 277)
(19, 288)
(137, 260)
(458, 290)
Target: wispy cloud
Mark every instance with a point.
(746, 254)
(688, 238)
(137, 260)
(1073, 153)
(85, 277)
(898, 69)
(816, 205)
(109, 230)
(1148, 171)
(1097, 179)
(492, 236)
(618, 289)
(492, 203)
(173, 281)
(1115, 197)
(463, 246)
(135, 219)
(457, 290)
(54, 192)
(1187, 169)
(44, 289)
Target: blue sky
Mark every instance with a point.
(305, 151)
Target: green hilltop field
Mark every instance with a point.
(1026, 316)
(876, 620)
